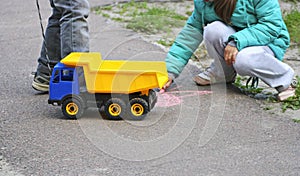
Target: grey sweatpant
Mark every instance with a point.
(255, 61)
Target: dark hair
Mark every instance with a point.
(224, 9)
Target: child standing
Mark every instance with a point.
(66, 32)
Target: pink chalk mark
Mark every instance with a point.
(169, 99)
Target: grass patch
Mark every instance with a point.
(292, 21)
(142, 17)
(152, 24)
(165, 42)
(296, 120)
(293, 102)
(240, 82)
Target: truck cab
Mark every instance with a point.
(64, 82)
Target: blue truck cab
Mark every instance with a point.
(64, 82)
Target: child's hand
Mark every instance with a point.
(230, 54)
(165, 87)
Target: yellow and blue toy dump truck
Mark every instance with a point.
(124, 88)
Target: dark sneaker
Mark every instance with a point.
(41, 83)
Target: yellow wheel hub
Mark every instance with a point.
(72, 108)
(137, 109)
(115, 109)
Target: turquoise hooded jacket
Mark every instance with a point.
(257, 22)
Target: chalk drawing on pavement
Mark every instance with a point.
(173, 98)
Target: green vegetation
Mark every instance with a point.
(292, 21)
(293, 102)
(141, 17)
(155, 20)
(240, 83)
(296, 120)
(290, 103)
(165, 42)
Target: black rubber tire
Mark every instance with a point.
(115, 108)
(72, 108)
(138, 109)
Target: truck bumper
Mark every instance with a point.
(54, 102)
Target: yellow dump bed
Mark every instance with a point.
(118, 76)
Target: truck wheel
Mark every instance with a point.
(72, 108)
(115, 108)
(138, 108)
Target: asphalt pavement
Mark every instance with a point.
(212, 130)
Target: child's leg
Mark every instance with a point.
(67, 31)
(259, 61)
(50, 52)
(51, 45)
(74, 33)
(215, 37)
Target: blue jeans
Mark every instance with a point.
(66, 32)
